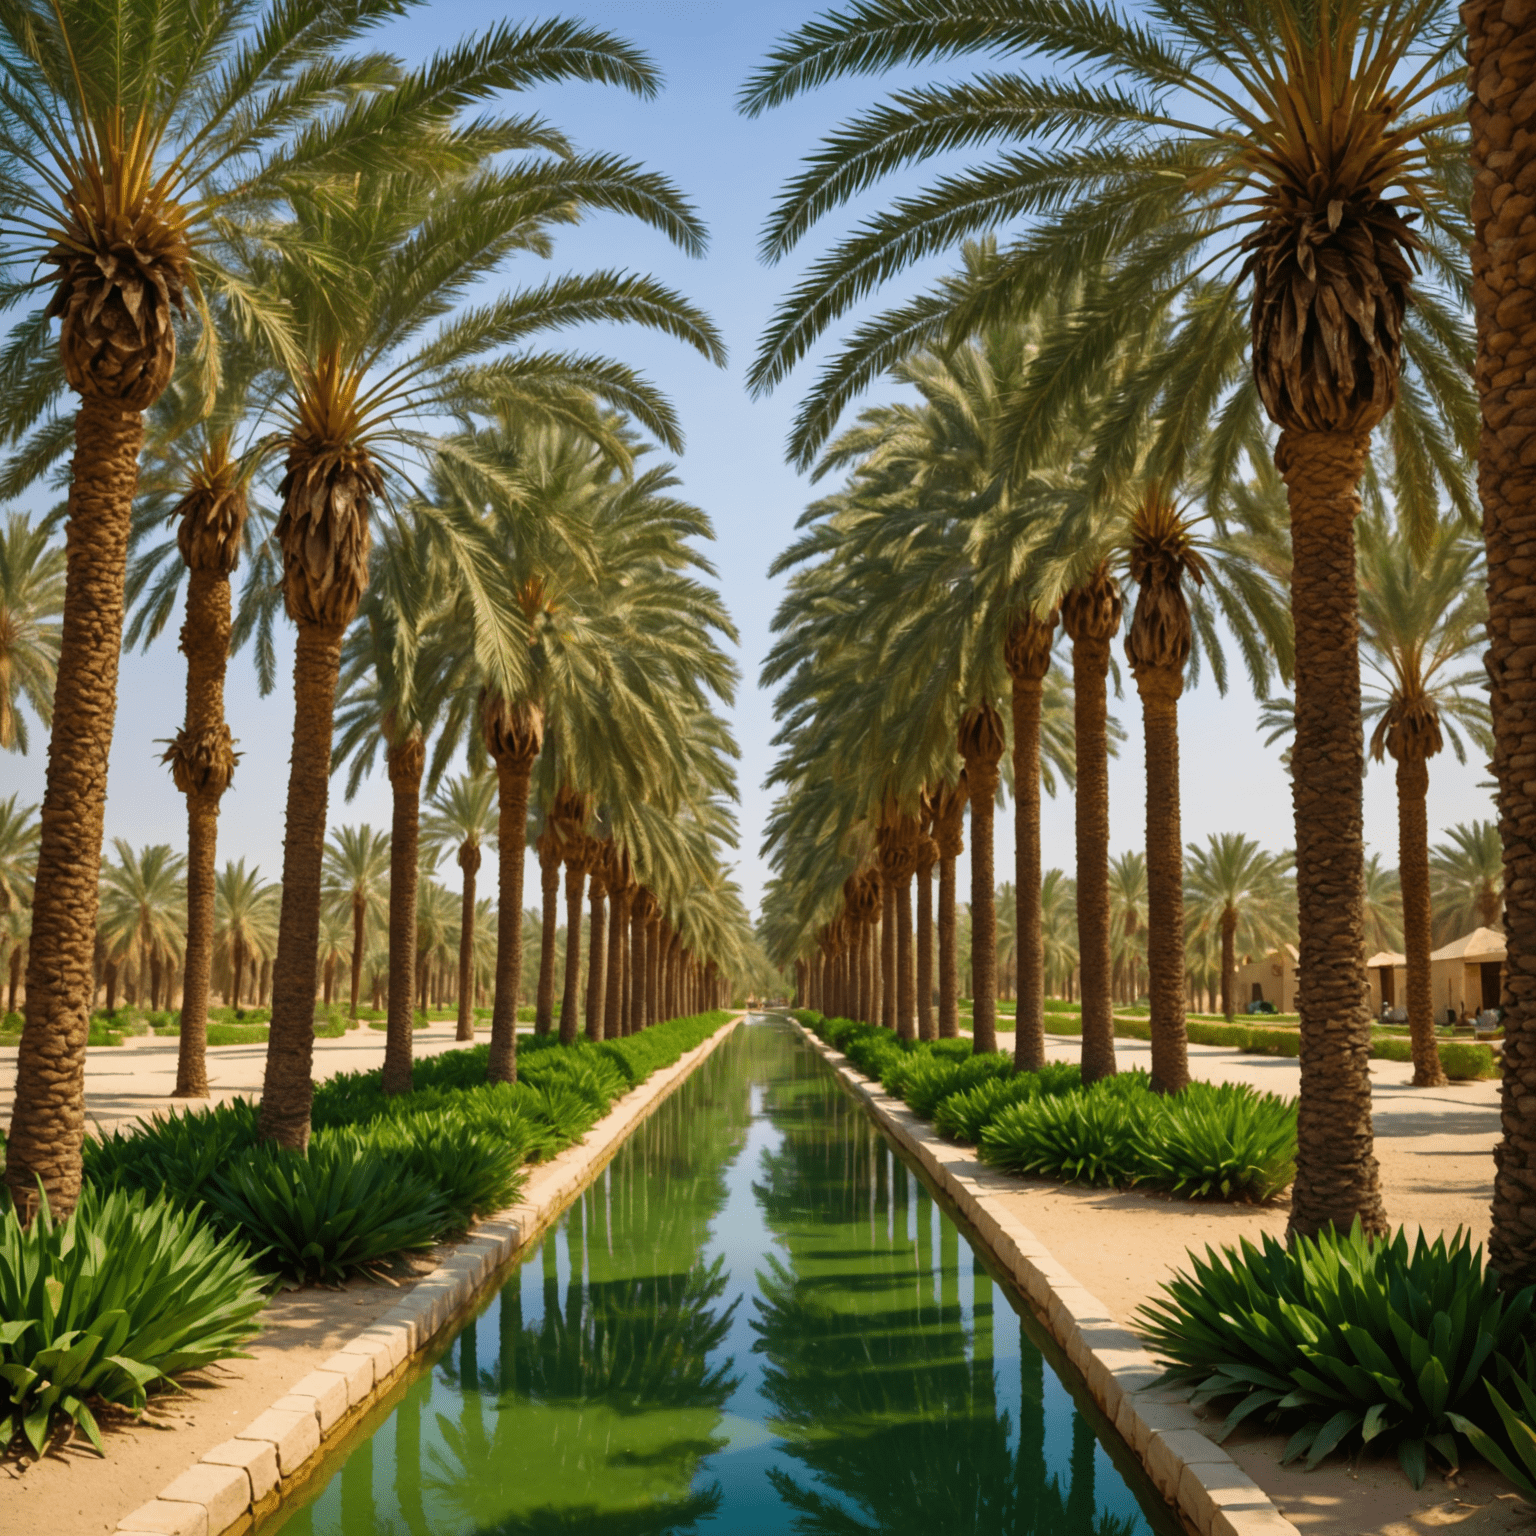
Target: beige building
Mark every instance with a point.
(1270, 978)
(1465, 977)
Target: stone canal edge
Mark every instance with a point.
(245, 1479)
(1203, 1484)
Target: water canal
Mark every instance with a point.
(756, 1321)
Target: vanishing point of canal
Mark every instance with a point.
(756, 1321)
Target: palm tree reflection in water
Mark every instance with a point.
(618, 1386)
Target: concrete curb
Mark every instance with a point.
(243, 1479)
(1197, 1477)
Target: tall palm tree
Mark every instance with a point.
(461, 819)
(1129, 903)
(1421, 617)
(1383, 907)
(31, 601)
(19, 832)
(143, 912)
(1502, 75)
(245, 922)
(142, 137)
(1466, 880)
(402, 350)
(1235, 889)
(355, 875)
(1273, 221)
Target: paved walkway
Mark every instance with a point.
(124, 1082)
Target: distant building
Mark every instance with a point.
(1389, 980)
(1465, 977)
(1270, 978)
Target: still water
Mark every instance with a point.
(757, 1321)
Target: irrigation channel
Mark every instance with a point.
(757, 1320)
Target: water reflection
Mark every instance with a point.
(758, 1321)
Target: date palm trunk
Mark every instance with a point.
(287, 1089)
(887, 952)
(927, 1028)
(635, 970)
(1027, 653)
(950, 840)
(906, 988)
(1503, 82)
(598, 963)
(1160, 689)
(1228, 962)
(613, 992)
(1091, 616)
(1413, 876)
(514, 773)
(469, 863)
(359, 920)
(570, 1002)
(1337, 1179)
(652, 963)
(549, 888)
(981, 745)
(48, 1118)
(406, 762)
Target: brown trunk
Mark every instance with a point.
(981, 745)
(570, 1002)
(15, 982)
(236, 966)
(1503, 79)
(887, 953)
(1228, 961)
(949, 954)
(406, 763)
(48, 1118)
(287, 1088)
(1090, 667)
(1337, 1178)
(652, 967)
(512, 775)
(469, 863)
(598, 963)
(1413, 876)
(613, 999)
(549, 889)
(1160, 690)
(906, 989)
(927, 1029)
(359, 938)
(328, 978)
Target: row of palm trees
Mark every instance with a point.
(1238, 243)
(274, 254)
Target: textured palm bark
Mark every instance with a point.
(1088, 623)
(981, 745)
(949, 840)
(887, 952)
(1501, 49)
(202, 776)
(634, 979)
(597, 966)
(287, 1090)
(48, 1119)
(405, 763)
(613, 988)
(1027, 653)
(1228, 961)
(1337, 1179)
(652, 964)
(906, 982)
(1413, 877)
(570, 1000)
(513, 776)
(469, 863)
(359, 924)
(549, 889)
(927, 1024)
(1160, 692)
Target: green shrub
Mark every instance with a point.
(1225, 1140)
(963, 1116)
(1465, 1060)
(1082, 1138)
(174, 1153)
(1345, 1341)
(1520, 1432)
(11, 1024)
(927, 1088)
(322, 1214)
(109, 1303)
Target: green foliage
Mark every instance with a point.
(965, 1114)
(11, 1024)
(320, 1215)
(1083, 1138)
(1221, 1140)
(1345, 1341)
(1520, 1431)
(109, 1303)
(1465, 1060)
(176, 1154)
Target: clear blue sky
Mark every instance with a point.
(730, 166)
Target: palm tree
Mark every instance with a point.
(245, 922)
(1502, 74)
(1235, 889)
(462, 817)
(1128, 917)
(31, 600)
(143, 913)
(401, 351)
(354, 874)
(19, 832)
(140, 145)
(1422, 613)
(1273, 220)
(1466, 875)
(1058, 925)
(1383, 907)
(335, 934)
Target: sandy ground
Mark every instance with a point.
(1435, 1148)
